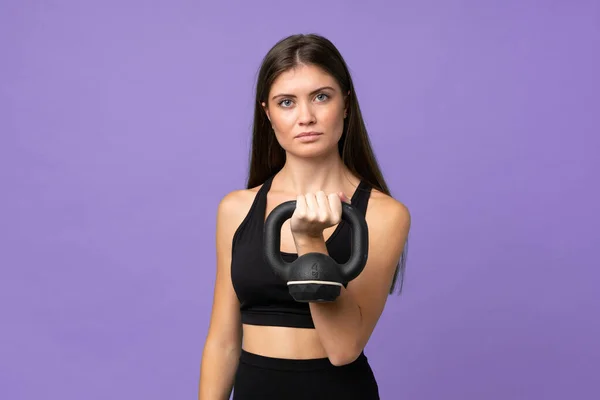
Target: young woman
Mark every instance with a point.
(309, 144)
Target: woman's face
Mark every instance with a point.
(306, 109)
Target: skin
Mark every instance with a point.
(316, 178)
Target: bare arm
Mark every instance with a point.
(223, 342)
(345, 325)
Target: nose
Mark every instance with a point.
(306, 114)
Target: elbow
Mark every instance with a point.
(220, 346)
(345, 357)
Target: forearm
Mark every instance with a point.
(217, 372)
(338, 323)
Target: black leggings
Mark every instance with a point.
(260, 377)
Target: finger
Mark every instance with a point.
(343, 197)
(301, 207)
(335, 205)
(312, 207)
(324, 211)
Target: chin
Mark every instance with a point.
(313, 150)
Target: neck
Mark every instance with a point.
(310, 175)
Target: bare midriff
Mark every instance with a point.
(282, 342)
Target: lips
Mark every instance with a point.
(305, 134)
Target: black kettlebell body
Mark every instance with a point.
(315, 277)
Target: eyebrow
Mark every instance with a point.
(313, 92)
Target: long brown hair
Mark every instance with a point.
(267, 157)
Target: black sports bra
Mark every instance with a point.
(264, 297)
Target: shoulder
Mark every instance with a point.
(389, 221)
(233, 202)
(384, 210)
(234, 206)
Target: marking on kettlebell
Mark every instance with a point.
(315, 270)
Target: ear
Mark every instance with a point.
(346, 102)
(266, 109)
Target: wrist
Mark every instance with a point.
(310, 244)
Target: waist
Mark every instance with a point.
(288, 364)
(282, 342)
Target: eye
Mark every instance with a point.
(282, 103)
(323, 96)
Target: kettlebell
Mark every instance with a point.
(315, 277)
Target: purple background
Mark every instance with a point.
(123, 123)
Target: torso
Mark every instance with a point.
(275, 341)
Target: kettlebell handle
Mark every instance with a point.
(359, 242)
